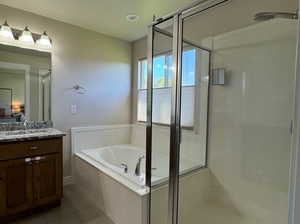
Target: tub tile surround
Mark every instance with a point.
(99, 136)
(118, 202)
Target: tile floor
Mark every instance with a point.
(73, 210)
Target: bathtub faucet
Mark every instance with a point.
(137, 171)
(125, 167)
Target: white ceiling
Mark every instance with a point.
(103, 16)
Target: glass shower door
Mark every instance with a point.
(246, 177)
(219, 113)
(159, 114)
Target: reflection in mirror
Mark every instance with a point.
(25, 85)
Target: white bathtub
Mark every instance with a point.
(114, 157)
(109, 160)
(98, 175)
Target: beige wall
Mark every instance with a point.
(99, 63)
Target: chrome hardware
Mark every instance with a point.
(34, 147)
(38, 158)
(125, 167)
(137, 171)
(28, 161)
(218, 76)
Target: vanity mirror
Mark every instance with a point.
(25, 84)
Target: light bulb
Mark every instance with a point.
(44, 41)
(5, 32)
(26, 37)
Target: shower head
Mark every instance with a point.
(263, 16)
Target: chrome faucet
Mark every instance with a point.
(24, 121)
(125, 167)
(137, 171)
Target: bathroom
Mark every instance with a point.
(147, 112)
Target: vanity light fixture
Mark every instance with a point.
(44, 41)
(26, 37)
(6, 32)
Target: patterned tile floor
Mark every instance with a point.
(73, 210)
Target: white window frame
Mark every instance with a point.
(195, 85)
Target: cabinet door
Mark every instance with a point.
(47, 178)
(2, 189)
(15, 186)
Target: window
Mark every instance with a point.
(162, 81)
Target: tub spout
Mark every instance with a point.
(125, 167)
(137, 171)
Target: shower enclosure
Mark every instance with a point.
(220, 92)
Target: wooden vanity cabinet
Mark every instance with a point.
(30, 175)
(47, 179)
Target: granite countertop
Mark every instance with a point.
(30, 134)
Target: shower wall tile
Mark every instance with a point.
(249, 143)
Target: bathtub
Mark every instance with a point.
(111, 160)
(99, 177)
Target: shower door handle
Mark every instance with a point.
(291, 127)
(180, 135)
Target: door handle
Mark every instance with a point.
(28, 161)
(38, 159)
(34, 148)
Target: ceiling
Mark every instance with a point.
(103, 16)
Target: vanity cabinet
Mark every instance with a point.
(16, 186)
(47, 179)
(30, 175)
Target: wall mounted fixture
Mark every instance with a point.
(218, 76)
(44, 40)
(132, 18)
(6, 32)
(78, 89)
(24, 37)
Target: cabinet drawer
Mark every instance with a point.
(16, 150)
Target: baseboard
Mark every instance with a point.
(68, 180)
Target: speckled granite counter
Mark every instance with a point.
(31, 134)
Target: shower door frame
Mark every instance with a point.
(175, 127)
(294, 193)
